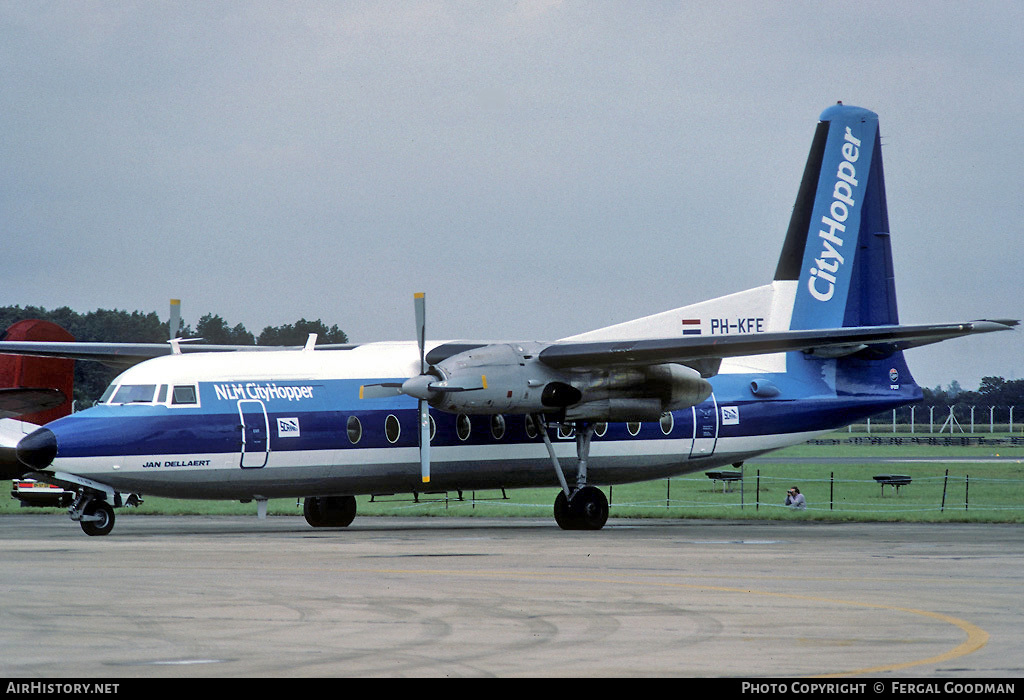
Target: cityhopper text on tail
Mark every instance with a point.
(704, 385)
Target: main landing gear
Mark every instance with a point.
(583, 507)
(329, 511)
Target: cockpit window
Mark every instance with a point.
(183, 395)
(107, 393)
(134, 393)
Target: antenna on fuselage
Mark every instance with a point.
(176, 344)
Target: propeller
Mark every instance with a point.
(427, 386)
(420, 392)
(420, 302)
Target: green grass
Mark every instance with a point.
(982, 492)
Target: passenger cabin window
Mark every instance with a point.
(134, 393)
(183, 395)
(392, 429)
(354, 429)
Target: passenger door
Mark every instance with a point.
(255, 448)
(705, 428)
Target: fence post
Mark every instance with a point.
(757, 498)
(944, 482)
(831, 488)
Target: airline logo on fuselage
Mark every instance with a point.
(822, 282)
(261, 391)
(288, 427)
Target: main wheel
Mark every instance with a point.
(590, 508)
(563, 514)
(330, 511)
(587, 509)
(104, 524)
(311, 511)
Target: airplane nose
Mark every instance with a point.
(38, 449)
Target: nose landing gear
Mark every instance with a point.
(96, 517)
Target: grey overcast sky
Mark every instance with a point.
(538, 168)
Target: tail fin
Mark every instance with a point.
(837, 252)
(28, 382)
(837, 247)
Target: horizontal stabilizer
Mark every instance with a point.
(687, 350)
(21, 401)
(11, 433)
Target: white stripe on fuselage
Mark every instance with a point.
(331, 471)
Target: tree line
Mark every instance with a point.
(116, 326)
(993, 391)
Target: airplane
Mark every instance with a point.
(704, 385)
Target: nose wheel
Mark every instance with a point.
(97, 518)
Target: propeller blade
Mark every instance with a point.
(174, 322)
(420, 302)
(380, 391)
(425, 442)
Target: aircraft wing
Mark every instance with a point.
(125, 354)
(702, 353)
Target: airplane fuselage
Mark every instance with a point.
(292, 424)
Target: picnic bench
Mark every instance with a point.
(726, 477)
(894, 480)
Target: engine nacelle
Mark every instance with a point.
(508, 378)
(642, 393)
(501, 378)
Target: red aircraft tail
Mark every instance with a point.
(36, 389)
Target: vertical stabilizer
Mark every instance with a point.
(837, 247)
(837, 255)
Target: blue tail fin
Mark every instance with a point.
(837, 246)
(837, 252)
